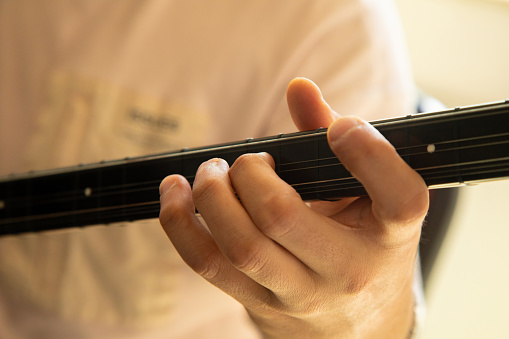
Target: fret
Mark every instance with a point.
(449, 147)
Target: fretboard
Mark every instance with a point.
(450, 147)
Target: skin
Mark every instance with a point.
(321, 270)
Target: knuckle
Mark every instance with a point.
(281, 213)
(307, 302)
(207, 266)
(173, 211)
(206, 188)
(356, 283)
(246, 257)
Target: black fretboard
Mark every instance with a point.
(449, 147)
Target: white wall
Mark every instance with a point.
(460, 54)
(459, 48)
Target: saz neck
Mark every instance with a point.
(447, 148)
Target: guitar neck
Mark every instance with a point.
(446, 148)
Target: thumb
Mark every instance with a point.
(307, 107)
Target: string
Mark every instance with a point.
(114, 190)
(345, 183)
(125, 187)
(154, 205)
(399, 149)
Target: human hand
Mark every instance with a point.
(323, 269)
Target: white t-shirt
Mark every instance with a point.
(84, 81)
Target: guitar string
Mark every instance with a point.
(155, 203)
(402, 155)
(115, 209)
(108, 191)
(354, 185)
(473, 170)
(125, 187)
(430, 119)
(151, 210)
(399, 149)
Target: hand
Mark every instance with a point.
(324, 269)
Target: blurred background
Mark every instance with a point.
(460, 55)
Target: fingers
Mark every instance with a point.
(240, 241)
(280, 214)
(195, 244)
(308, 108)
(186, 232)
(399, 195)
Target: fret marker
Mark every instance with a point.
(431, 148)
(87, 192)
(2, 204)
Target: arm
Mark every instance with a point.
(328, 270)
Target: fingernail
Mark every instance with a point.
(341, 127)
